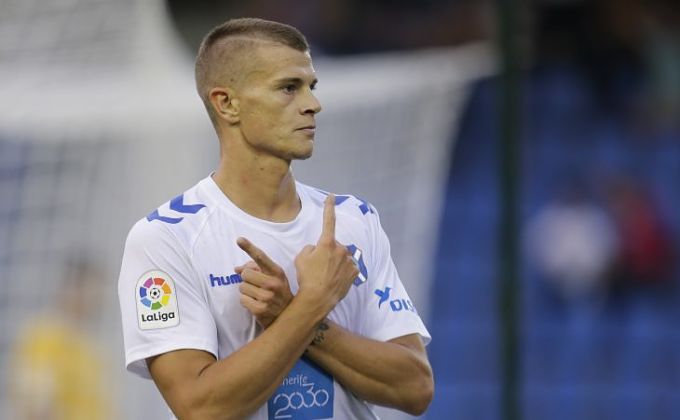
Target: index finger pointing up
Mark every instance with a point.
(328, 227)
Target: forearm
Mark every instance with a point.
(243, 381)
(384, 373)
(236, 386)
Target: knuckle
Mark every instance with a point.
(305, 251)
(266, 283)
(266, 295)
(256, 307)
(273, 285)
(354, 269)
(250, 277)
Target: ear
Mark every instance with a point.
(225, 104)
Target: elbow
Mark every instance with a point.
(204, 409)
(204, 416)
(205, 413)
(194, 410)
(420, 395)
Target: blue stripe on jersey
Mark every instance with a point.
(176, 204)
(365, 206)
(155, 216)
(339, 199)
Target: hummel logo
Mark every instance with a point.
(225, 280)
(383, 295)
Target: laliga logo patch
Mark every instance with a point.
(156, 301)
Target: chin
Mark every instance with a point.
(302, 153)
(301, 156)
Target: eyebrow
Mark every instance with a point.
(295, 81)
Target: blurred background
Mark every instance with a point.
(524, 157)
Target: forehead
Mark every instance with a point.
(271, 61)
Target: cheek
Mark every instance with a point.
(265, 117)
(260, 127)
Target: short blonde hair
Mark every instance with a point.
(226, 46)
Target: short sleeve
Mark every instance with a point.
(390, 312)
(162, 304)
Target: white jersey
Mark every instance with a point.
(178, 289)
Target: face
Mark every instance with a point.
(276, 104)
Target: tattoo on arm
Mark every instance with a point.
(319, 335)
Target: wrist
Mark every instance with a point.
(318, 306)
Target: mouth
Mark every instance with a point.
(310, 129)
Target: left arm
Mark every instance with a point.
(395, 373)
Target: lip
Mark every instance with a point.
(309, 130)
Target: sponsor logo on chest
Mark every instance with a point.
(395, 305)
(307, 393)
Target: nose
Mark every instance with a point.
(311, 104)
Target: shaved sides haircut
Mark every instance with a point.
(227, 49)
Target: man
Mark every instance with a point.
(252, 295)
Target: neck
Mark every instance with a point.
(259, 184)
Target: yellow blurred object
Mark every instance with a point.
(57, 373)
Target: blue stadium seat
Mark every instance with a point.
(600, 358)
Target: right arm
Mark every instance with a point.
(196, 385)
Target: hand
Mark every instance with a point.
(265, 290)
(326, 271)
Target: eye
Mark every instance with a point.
(289, 88)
